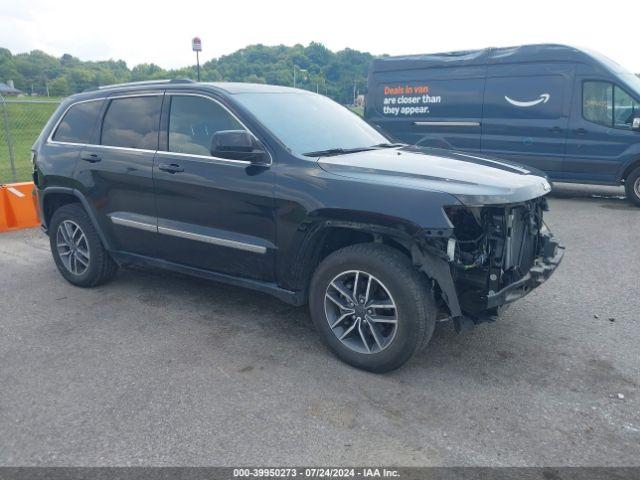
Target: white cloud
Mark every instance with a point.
(160, 32)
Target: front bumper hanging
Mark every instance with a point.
(542, 269)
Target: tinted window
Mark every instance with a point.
(193, 121)
(78, 123)
(132, 122)
(597, 102)
(307, 122)
(625, 108)
(535, 97)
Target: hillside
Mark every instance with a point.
(332, 73)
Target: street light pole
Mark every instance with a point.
(355, 86)
(294, 73)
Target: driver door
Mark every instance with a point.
(600, 132)
(214, 213)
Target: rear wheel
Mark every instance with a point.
(632, 186)
(371, 307)
(77, 250)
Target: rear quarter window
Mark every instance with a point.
(78, 122)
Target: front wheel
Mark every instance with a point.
(371, 307)
(632, 186)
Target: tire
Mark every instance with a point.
(99, 268)
(394, 281)
(632, 186)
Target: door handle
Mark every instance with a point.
(91, 157)
(580, 131)
(170, 167)
(555, 130)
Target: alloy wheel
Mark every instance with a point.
(73, 247)
(361, 312)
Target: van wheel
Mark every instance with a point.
(77, 250)
(632, 186)
(371, 307)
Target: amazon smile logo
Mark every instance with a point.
(543, 98)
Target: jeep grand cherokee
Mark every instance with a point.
(286, 192)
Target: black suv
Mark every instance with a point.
(287, 192)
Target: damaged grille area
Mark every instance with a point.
(495, 246)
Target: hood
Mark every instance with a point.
(473, 180)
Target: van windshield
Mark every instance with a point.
(633, 82)
(307, 122)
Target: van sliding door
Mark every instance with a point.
(432, 107)
(526, 114)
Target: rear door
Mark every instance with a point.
(600, 133)
(214, 214)
(116, 173)
(526, 114)
(430, 107)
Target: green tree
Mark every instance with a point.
(59, 87)
(332, 72)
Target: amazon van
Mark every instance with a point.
(569, 112)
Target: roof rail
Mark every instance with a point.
(140, 83)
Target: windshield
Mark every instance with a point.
(633, 82)
(307, 122)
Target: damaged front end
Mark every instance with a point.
(493, 255)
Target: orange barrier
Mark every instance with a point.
(17, 207)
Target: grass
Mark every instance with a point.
(358, 110)
(26, 120)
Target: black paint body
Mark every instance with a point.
(284, 212)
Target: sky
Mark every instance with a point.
(160, 32)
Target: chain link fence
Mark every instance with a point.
(21, 121)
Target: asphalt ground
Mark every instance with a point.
(160, 369)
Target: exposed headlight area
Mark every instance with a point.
(495, 247)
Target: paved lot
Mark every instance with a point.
(168, 370)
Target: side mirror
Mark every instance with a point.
(238, 145)
(635, 124)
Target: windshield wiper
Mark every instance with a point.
(390, 145)
(342, 151)
(336, 151)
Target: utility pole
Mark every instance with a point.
(355, 86)
(196, 46)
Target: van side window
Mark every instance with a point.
(625, 108)
(78, 123)
(597, 102)
(132, 122)
(193, 121)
